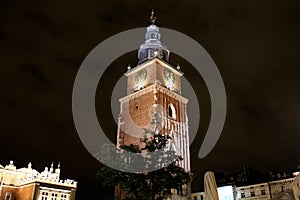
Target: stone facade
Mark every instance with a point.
(155, 73)
(257, 191)
(137, 109)
(29, 184)
(288, 188)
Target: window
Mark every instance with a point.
(252, 194)
(243, 195)
(54, 196)
(263, 192)
(8, 196)
(63, 197)
(44, 196)
(171, 111)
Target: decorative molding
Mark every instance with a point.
(154, 87)
(150, 62)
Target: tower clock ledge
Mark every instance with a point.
(150, 62)
(151, 72)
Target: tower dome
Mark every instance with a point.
(152, 47)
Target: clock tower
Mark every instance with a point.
(154, 86)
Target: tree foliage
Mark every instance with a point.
(148, 185)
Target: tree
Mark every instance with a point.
(148, 185)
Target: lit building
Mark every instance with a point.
(28, 184)
(257, 191)
(279, 189)
(224, 193)
(198, 196)
(154, 86)
(283, 187)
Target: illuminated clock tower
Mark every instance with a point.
(154, 86)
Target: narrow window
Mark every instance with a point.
(54, 196)
(8, 196)
(63, 197)
(243, 195)
(171, 111)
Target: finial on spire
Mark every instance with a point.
(152, 18)
(51, 168)
(129, 68)
(153, 47)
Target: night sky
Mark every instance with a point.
(255, 44)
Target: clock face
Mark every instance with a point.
(141, 76)
(169, 76)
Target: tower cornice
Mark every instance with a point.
(154, 87)
(150, 62)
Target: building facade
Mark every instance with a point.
(28, 184)
(283, 187)
(257, 191)
(287, 189)
(198, 196)
(154, 92)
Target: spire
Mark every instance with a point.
(129, 68)
(30, 166)
(152, 18)
(51, 168)
(152, 47)
(57, 170)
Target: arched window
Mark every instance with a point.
(8, 196)
(171, 111)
